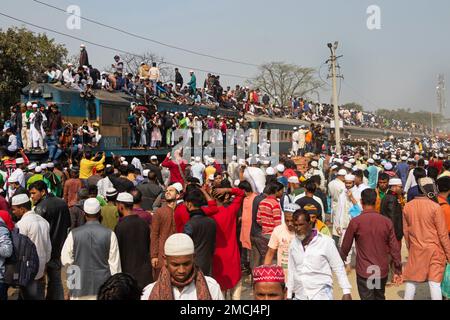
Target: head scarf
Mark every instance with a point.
(163, 287)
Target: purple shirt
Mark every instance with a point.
(375, 242)
(143, 214)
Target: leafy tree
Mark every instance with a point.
(281, 81)
(24, 56)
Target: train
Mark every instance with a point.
(111, 110)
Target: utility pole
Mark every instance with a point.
(334, 76)
(440, 93)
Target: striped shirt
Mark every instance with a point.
(269, 215)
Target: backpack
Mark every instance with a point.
(23, 265)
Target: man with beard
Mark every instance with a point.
(180, 278)
(348, 207)
(133, 237)
(163, 226)
(319, 253)
(56, 212)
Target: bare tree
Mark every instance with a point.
(132, 63)
(281, 81)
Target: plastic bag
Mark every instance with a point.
(445, 284)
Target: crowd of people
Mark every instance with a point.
(147, 83)
(197, 229)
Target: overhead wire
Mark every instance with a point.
(150, 39)
(117, 49)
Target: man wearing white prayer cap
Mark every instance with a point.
(348, 200)
(97, 249)
(391, 207)
(233, 169)
(37, 229)
(180, 279)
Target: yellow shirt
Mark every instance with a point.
(86, 167)
(209, 171)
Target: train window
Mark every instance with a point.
(114, 116)
(92, 110)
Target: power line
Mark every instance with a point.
(116, 49)
(149, 39)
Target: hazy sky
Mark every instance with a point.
(396, 66)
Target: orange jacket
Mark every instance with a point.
(446, 210)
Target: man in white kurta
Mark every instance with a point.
(312, 259)
(37, 229)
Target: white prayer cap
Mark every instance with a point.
(375, 157)
(355, 168)
(211, 177)
(371, 161)
(122, 159)
(82, 45)
(32, 166)
(50, 165)
(91, 206)
(342, 172)
(153, 158)
(237, 182)
(34, 105)
(198, 159)
(395, 182)
(280, 168)
(295, 128)
(352, 160)
(111, 192)
(191, 71)
(440, 155)
(291, 207)
(38, 169)
(334, 167)
(314, 164)
(29, 104)
(241, 162)
(394, 160)
(20, 199)
(388, 166)
(270, 171)
(265, 162)
(13, 179)
(43, 165)
(404, 158)
(340, 161)
(349, 177)
(125, 197)
(234, 158)
(293, 179)
(426, 162)
(348, 165)
(125, 163)
(145, 172)
(70, 64)
(178, 186)
(19, 161)
(179, 244)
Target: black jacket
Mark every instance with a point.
(202, 230)
(392, 209)
(179, 79)
(56, 212)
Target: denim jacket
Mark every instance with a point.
(6, 247)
